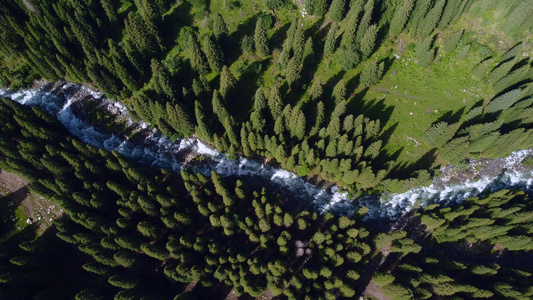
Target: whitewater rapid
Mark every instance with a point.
(159, 151)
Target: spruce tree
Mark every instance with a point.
(426, 27)
(213, 53)
(331, 40)
(339, 91)
(368, 41)
(424, 51)
(274, 102)
(365, 21)
(371, 74)
(403, 11)
(336, 10)
(293, 72)
(227, 82)
(197, 58)
(260, 39)
(450, 44)
(219, 27)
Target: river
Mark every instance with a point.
(453, 186)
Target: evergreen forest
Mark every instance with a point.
(373, 97)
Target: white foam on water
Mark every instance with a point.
(159, 151)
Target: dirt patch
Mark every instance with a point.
(39, 211)
(375, 291)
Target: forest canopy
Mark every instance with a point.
(372, 96)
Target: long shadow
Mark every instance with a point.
(172, 23)
(244, 90)
(405, 170)
(374, 109)
(277, 39)
(8, 205)
(233, 49)
(327, 91)
(311, 63)
(450, 116)
(388, 64)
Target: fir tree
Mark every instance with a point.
(426, 27)
(213, 54)
(293, 73)
(400, 17)
(368, 41)
(197, 58)
(227, 82)
(260, 39)
(336, 10)
(331, 40)
(371, 74)
(274, 102)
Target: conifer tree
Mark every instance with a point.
(331, 40)
(424, 51)
(426, 27)
(450, 10)
(450, 44)
(110, 10)
(274, 102)
(219, 27)
(293, 72)
(371, 74)
(339, 91)
(213, 53)
(260, 39)
(198, 61)
(227, 82)
(309, 52)
(316, 90)
(365, 21)
(403, 11)
(368, 41)
(419, 13)
(336, 10)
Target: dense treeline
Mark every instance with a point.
(496, 127)
(196, 85)
(140, 224)
(145, 233)
(476, 250)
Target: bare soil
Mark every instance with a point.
(375, 291)
(39, 211)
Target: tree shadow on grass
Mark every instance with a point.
(8, 205)
(406, 170)
(173, 22)
(450, 116)
(375, 109)
(232, 50)
(245, 88)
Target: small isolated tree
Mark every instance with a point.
(260, 39)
